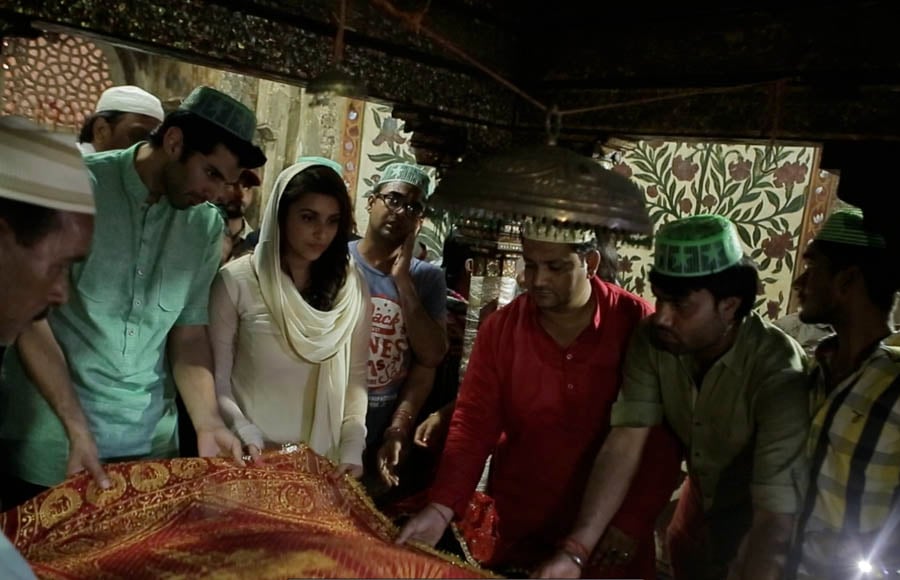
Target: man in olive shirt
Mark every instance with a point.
(101, 386)
(732, 388)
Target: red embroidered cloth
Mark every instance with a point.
(194, 518)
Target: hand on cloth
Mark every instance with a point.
(252, 438)
(217, 441)
(83, 456)
(351, 469)
(427, 526)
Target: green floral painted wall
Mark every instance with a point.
(777, 196)
(384, 142)
(763, 189)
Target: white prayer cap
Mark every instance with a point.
(130, 99)
(42, 168)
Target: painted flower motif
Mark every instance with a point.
(639, 285)
(655, 143)
(683, 169)
(789, 174)
(708, 201)
(777, 245)
(773, 309)
(652, 191)
(625, 265)
(739, 170)
(685, 205)
(389, 132)
(623, 169)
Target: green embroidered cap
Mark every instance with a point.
(229, 114)
(408, 173)
(846, 226)
(695, 246)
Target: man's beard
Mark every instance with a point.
(673, 345)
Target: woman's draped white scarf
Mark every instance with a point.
(311, 335)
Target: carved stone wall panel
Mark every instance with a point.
(54, 80)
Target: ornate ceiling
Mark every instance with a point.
(825, 71)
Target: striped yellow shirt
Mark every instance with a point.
(854, 448)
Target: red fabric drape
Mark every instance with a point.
(194, 518)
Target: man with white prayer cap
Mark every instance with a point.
(542, 377)
(46, 222)
(124, 116)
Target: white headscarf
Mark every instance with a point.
(312, 335)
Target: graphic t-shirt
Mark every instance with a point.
(389, 353)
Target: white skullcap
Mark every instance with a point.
(42, 168)
(130, 99)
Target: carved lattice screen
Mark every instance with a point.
(54, 80)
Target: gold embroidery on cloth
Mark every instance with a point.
(101, 497)
(148, 476)
(61, 503)
(188, 468)
(208, 517)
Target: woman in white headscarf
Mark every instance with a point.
(290, 325)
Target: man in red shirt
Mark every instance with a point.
(542, 378)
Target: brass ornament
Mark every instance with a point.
(543, 183)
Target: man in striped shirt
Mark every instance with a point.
(847, 522)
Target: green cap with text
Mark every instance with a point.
(696, 246)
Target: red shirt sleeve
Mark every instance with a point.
(476, 424)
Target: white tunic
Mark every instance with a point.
(272, 387)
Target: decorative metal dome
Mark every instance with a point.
(543, 182)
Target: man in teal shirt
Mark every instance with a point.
(106, 367)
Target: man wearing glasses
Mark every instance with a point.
(409, 337)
